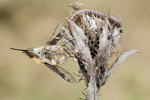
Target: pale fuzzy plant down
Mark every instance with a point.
(90, 41)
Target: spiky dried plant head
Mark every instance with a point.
(91, 37)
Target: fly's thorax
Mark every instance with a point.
(55, 54)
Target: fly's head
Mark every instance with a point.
(33, 53)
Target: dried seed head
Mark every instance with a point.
(101, 30)
(94, 35)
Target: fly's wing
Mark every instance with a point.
(62, 72)
(57, 69)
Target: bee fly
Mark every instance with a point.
(51, 55)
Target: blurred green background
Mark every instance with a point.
(30, 23)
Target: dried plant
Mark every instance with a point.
(91, 38)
